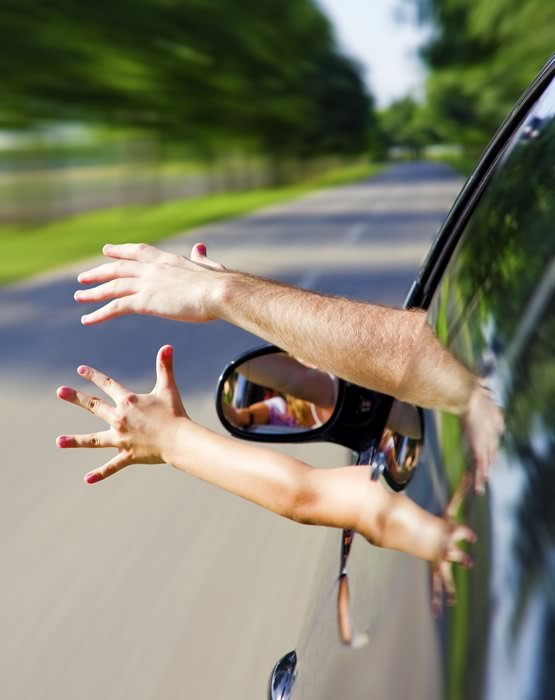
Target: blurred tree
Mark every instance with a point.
(481, 57)
(264, 72)
(408, 125)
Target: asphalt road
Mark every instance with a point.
(153, 585)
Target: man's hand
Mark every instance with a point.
(146, 280)
(142, 426)
(483, 424)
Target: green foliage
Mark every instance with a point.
(24, 252)
(266, 72)
(481, 57)
(408, 125)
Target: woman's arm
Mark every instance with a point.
(255, 414)
(154, 428)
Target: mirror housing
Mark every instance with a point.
(349, 421)
(386, 433)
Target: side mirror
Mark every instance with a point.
(268, 395)
(401, 444)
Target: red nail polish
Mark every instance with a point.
(201, 248)
(82, 370)
(63, 441)
(93, 477)
(167, 352)
(65, 392)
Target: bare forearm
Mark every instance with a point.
(269, 479)
(341, 498)
(389, 350)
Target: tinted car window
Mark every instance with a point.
(495, 308)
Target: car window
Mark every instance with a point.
(495, 309)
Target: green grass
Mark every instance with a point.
(28, 251)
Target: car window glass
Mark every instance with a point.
(495, 309)
(509, 238)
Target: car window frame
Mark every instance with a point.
(441, 252)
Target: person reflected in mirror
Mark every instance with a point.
(393, 351)
(295, 378)
(154, 428)
(277, 410)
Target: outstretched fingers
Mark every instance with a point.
(111, 271)
(108, 385)
(89, 403)
(113, 309)
(140, 252)
(114, 289)
(119, 462)
(103, 439)
(443, 584)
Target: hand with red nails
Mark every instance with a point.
(154, 428)
(141, 425)
(335, 334)
(146, 280)
(455, 534)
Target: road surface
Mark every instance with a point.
(153, 585)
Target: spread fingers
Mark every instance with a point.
(111, 271)
(116, 464)
(108, 385)
(89, 403)
(109, 290)
(103, 439)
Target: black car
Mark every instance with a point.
(488, 285)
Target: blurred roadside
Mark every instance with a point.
(144, 118)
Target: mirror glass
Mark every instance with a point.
(401, 443)
(279, 394)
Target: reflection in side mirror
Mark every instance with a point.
(276, 394)
(401, 444)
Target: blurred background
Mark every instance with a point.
(122, 104)
(351, 122)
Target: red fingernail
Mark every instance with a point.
(63, 441)
(93, 477)
(167, 352)
(82, 370)
(201, 248)
(65, 392)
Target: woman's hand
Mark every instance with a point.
(451, 552)
(142, 426)
(146, 280)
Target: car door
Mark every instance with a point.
(488, 284)
(495, 310)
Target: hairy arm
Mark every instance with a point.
(393, 351)
(390, 350)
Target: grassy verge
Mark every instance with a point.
(24, 252)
